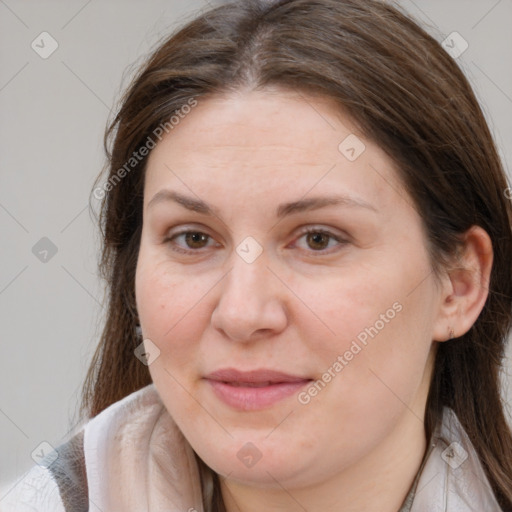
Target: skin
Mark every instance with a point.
(357, 445)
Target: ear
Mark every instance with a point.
(466, 286)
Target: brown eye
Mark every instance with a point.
(192, 241)
(195, 239)
(321, 241)
(317, 240)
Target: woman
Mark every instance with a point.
(307, 241)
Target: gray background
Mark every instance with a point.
(53, 114)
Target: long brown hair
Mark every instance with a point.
(407, 95)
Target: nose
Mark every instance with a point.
(252, 302)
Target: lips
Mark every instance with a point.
(252, 384)
(256, 389)
(254, 377)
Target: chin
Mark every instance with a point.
(260, 464)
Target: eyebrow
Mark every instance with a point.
(283, 210)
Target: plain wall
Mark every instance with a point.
(53, 115)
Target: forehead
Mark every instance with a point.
(271, 118)
(264, 141)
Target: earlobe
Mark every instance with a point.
(466, 287)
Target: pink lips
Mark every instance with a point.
(253, 390)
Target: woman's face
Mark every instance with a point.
(347, 312)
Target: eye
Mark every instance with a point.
(318, 239)
(194, 240)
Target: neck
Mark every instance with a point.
(379, 481)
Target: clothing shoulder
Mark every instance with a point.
(36, 490)
(59, 483)
(453, 477)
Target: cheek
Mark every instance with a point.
(171, 311)
(163, 299)
(349, 307)
(165, 303)
(382, 331)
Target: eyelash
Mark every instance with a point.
(174, 247)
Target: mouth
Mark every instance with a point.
(254, 390)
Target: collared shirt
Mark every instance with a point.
(132, 457)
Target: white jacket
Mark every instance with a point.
(133, 458)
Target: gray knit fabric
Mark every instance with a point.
(70, 474)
